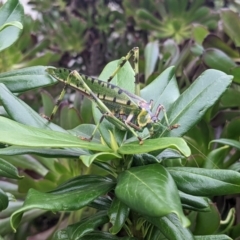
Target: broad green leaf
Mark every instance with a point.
(171, 227)
(190, 107)
(79, 229)
(229, 142)
(231, 25)
(207, 222)
(101, 203)
(205, 182)
(17, 134)
(103, 156)
(217, 59)
(3, 200)
(72, 195)
(118, 213)
(11, 11)
(199, 33)
(151, 191)
(22, 113)
(162, 90)
(230, 98)
(155, 144)
(8, 170)
(232, 130)
(48, 102)
(151, 53)
(25, 79)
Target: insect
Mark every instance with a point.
(120, 107)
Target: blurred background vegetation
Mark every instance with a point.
(191, 35)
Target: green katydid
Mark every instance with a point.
(122, 108)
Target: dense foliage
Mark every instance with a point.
(178, 184)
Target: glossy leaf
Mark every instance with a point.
(171, 227)
(3, 200)
(25, 79)
(17, 134)
(213, 237)
(155, 144)
(79, 229)
(190, 107)
(72, 195)
(11, 11)
(151, 56)
(118, 213)
(150, 191)
(205, 182)
(8, 170)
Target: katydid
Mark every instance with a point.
(120, 107)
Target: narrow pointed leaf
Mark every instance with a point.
(229, 142)
(17, 134)
(8, 170)
(25, 79)
(118, 213)
(3, 200)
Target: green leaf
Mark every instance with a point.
(45, 152)
(25, 79)
(213, 41)
(155, 144)
(217, 59)
(79, 229)
(207, 222)
(205, 182)
(215, 159)
(151, 191)
(22, 113)
(13, 23)
(190, 107)
(151, 53)
(118, 213)
(190, 202)
(213, 237)
(162, 90)
(103, 156)
(171, 227)
(3, 200)
(231, 25)
(229, 142)
(8, 170)
(11, 11)
(72, 195)
(17, 134)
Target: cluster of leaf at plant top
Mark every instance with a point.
(113, 188)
